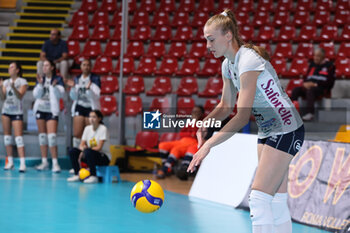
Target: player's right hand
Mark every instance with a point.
(39, 78)
(201, 133)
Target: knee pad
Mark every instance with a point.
(42, 139)
(19, 141)
(280, 208)
(260, 208)
(52, 139)
(76, 142)
(7, 140)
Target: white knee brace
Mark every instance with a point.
(280, 208)
(76, 142)
(52, 139)
(260, 208)
(19, 141)
(42, 139)
(7, 140)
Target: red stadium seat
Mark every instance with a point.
(225, 4)
(199, 36)
(99, 18)
(108, 104)
(80, 32)
(199, 19)
(163, 33)
(247, 33)
(128, 66)
(307, 33)
(145, 140)
(88, 5)
(343, 5)
(280, 65)
(142, 32)
(135, 49)
(147, 66)
(287, 34)
(177, 49)
(266, 46)
(283, 50)
(109, 84)
(169, 136)
(156, 49)
(345, 35)
(265, 5)
(342, 17)
(132, 5)
(77, 62)
(117, 19)
(297, 69)
(342, 68)
(161, 86)
(118, 33)
(211, 67)
(133, 105)
(101, 32)
(261, 18)
(329, 49)
(185, 105)
(187, 87)
(181, 18)
(246, 5)
(293, 83)
(190, 66)
(112, 49)
(344, 50)
(301, 18)
(209, 105)
(92, 49)
(79, 18)
(206, 5)
(183, 33)
(304, 5)
(187, 5)
(304, 50)
(324, 5)
(213, 88)
(328, 33)
(169, 66)
(73, 48)
(148, 5)
(321, 18)
(198, 50)
(134, 85)
(160, 103)
(167, 5)
(242, 18)
(284, 5)
(160, 18)
(266, 33)
(141, 17)
(103, 65)
(281, 18)
(109, 5)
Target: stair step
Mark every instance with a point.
(48, 3)
(35, 30)
(39, 23)
(23, 60)
(23, 44)
(38, 9)
(20, 52)
(42, 16)
(25, 36)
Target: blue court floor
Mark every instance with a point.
(44, 202)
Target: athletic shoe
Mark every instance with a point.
(42, 167)
(160, 174)
(22, 167)
(74, 178)
(56, 168)
(91, 180)
(71, 171)
(9, 166)
(308, 117)
(182, 173)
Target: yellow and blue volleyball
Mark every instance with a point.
(147, 196)
(84, 174)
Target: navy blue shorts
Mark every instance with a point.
(290, 142)
(82, 111)
(18, 117)
(47, 116)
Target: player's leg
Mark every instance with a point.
(78, 129)
(6, 125)
(52, 140)
(41, 123)
(18, 131)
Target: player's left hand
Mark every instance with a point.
(198, 157)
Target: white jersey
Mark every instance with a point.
(92, 138)
(12, 104)
(83, 98)
(44, 102)
(273, 110)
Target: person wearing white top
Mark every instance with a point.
(93, 149)
(48, 91)
(12, 91)
(281, 133)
